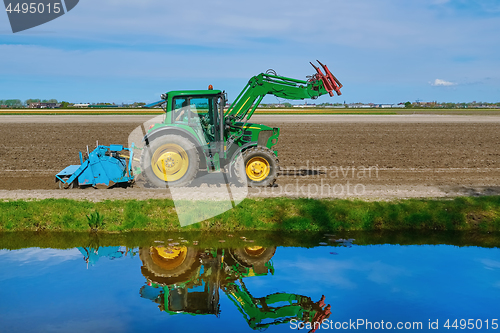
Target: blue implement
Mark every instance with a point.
(104, 167)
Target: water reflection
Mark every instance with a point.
(183, 279)
(186, 287)
(187, 279)
(91, 254)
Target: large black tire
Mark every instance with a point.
(178, 266)
(170, 160)
(261, 166)
(254, 255)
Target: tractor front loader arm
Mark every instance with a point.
(293, 89)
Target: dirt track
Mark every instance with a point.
(373, 156)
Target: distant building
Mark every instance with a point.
(334, 106)
(99, 106)
(40, 105)
(360, 106)
(81, 105)
(372, 105)
(305, 105)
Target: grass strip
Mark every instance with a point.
(271, 214)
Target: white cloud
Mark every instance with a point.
(338, 272)
(443, 83)
(490, 264)
(35, 261)
(30, 255)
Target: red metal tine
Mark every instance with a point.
(332, 79)
(327, 84)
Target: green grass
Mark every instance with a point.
(271, 214)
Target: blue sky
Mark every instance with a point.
(383, 51)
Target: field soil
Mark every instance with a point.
(379, 157)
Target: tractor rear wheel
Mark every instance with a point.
(261, 166)
(170, 160)
(170, 264)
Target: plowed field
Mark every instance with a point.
(324, 156)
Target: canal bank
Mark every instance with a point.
(272, 214)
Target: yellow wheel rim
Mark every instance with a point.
(255, 250)
(168, 257)
(170, 162)
(257, 168)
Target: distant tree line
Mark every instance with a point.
(444, 105)
(17, 103)
(35, 100)
(11, 103)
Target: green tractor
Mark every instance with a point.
(199, 133)
(187, 280)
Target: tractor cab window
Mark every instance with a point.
(204, 115)
(181, 109)
(201, 105)
(203, 109)
(198, 112)
(192, 110)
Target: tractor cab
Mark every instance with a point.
(199, 109)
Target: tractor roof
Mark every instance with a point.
(176, 93)
(193, 92)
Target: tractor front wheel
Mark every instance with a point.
(261, 166)
(170, 160)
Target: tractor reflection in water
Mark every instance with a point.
(92, 254)
(185, 279)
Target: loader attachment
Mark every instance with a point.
(330, 82)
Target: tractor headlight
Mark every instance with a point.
(163, 96)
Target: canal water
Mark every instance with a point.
(176, 285)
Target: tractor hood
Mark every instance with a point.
(254, 126)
